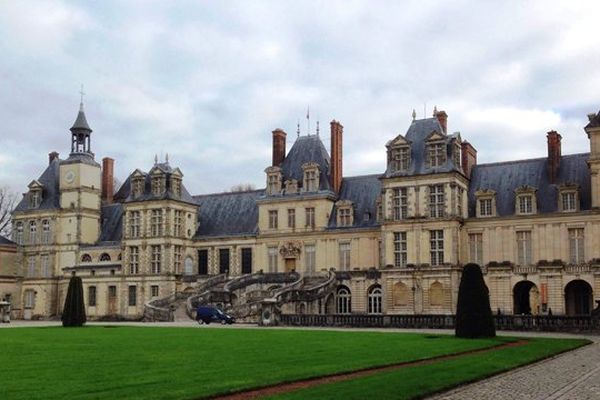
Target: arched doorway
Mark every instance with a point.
(578, 298)
(526, 298)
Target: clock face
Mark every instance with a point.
(70, 177)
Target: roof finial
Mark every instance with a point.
(317, 128)
(308, 120)
(155, 158)
(434, 111)
(167, 158)
(81, 92)
(414, 114)
(298, 128)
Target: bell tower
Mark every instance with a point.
(81, 132)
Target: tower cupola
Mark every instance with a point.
(81, 133)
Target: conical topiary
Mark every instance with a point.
(473, 313)
(74, 309)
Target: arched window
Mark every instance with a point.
(375, 297)
(400, 294)
(32, 232)
(189, 266)
(19, 233)
(45, 231)
(344, 301)
(104, 257)
(86, 258)
(436, 294)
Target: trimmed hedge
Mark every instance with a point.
(473, 313)
(74, 309)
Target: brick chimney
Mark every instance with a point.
(337, 131)
(442, 117)
(278, 146)
(468, 158)
(554, 153)
(52, 156)
(107, 180)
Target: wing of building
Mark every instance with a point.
(393, 242)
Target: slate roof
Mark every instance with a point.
(362, 191)
(505, 177)
(417, 134)
(124, 192)
(228, 214)
(112, 223)
(81, 121)
(50, 193)
(307, 149)
(6, 242)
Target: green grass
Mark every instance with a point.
(416, 382)
(184, 363)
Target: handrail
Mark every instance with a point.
(202, 291)
(260, 277)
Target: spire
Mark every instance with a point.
(317, 128)
(81, 121)
(298, 129)
(81, 131)
(155, 158)
(435, 111)
(167, 158)
(414, 114)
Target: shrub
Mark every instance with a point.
(74, 309)
(473, 313)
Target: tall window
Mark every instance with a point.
(92, 296)
(436, 201)
(273, 183)
(525, 204)
(309, 254)
(291, 217)
(273, 219)
(134, 224)
(436, 243)
(176, 186)
(400, 249)
(156, 223)
(158, 187)
(45, 265)
(345, 216)
(134, 260)
(19, 233)
(32, 232)
(344, 301)
(154, 290)
(178, 223)
(345, 256)
(35, 198)
(568, 201)
(272, 253)
(310, 217)
(400, 203)
(459, 201)
(156, 261)
(177, 259)
(246, 260)
(400, 159)
(524, 248)
(223, 261)
(30, 266)
(311, 180)
(45, 231)
(132, 297)
(29, 299)
(485, 207)
(375, 300)
(576, 246)
(437, 158)
(476, 248)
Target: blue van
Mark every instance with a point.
(208, 314)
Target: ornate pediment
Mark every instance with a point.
(291, 250)
(435, 136)
(398, 141)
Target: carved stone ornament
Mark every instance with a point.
(290, 250)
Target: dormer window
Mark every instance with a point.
(345, 213)
(568, 199)
(291, 186)
(35, 198)
(456, 155)
(311, 177)
(137, 184)
(400, 158)
(525, 201)
(273, 180)
(486, 203)
(436, 155)
(175, 178)
(158, 185)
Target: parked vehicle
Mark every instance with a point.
(208, 314)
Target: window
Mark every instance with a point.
(19, 233)
(375, 297)
(35, 198)
(456, 155)
(30, 266)
(272, 253)
(156, 223)
(309, 254)
(134, 260)
(525, 204)
(345, 216)
(273, 183)
(568, 201)
(158, 187)
(576, 246)
(273, 219)
(345, 256)
(132, 296)
(246, 260)
(476, 248)
(524, 248)
(400, 159)
(310, 217)
(485, 208)
(436, 201)
(459, 201)
(188, 266)
(32, 232)
(178, 223)
(203, 262)
(223, 261)
(291, 218)
(134, 224)
(436, 243)
(156, 261)
(177, 259)
(138, 186)
(437, 158)
(45, 265)
(400, 203)
(344, 301)
(86, 258)
(29, 299)
(45, 231)
(311, 180)
(176, 186)
(154, 291)
(92, 296)
(400, 249)
(104, 257)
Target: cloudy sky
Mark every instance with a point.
(207, 82)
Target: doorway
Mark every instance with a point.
(578, 298)
(112, 300)
(290, 264)
(526, 298)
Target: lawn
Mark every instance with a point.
(184, 363)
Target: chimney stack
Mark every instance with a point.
(554, 154)
(52, 156)
(278, 146)
(442, 117)
(337, 131)
(468, 158)
(107, 180)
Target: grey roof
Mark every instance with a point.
(85, 158)
(417, 134)
(124, 192)
(112, 223)
(307, 149)
(505, 177)
(594, 121)
(362, 191)
(228, 214)
(81, 121)
(6, 242)
(50, 193)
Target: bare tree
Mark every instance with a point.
(7, 204)
(242, 187)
